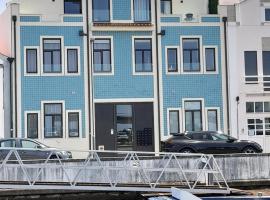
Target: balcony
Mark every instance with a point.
(256, 84)
(190, 18)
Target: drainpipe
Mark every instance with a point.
(225, 20)
(10, 61)
(14, 20)
(157, 61)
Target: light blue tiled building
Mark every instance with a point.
(116, 74)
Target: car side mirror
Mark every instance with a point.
(230, 140)
(39, 147)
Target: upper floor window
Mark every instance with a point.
(53, 120)
(191, 54)
(210, 59)
(143, 55)
(72, 6)
(172, 61)
(166, 7)
(31, 61)
(101, 10)
(193, 115)
(52, 62)
(251, 65)
(142, 10)
(267, 14)
(266, 62)
(102, 55)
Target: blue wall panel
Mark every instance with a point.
(121, 9)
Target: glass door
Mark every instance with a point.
(124, 127)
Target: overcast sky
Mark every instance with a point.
(2, 3)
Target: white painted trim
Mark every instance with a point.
(218, 117)
(80, 124)
(62, 24)
(66, 61)
(124, 100)
(190, 24)
(179, 110)
(201, 52)
(42, 118)
(112, 57)
(62, 55)
(133, 55)
(216, 59)
(203, 111)
(38, 61)
(25, 122)
(178, 60)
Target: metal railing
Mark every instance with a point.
(113, 171)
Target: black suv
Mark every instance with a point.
(209, 142)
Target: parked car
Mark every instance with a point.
(29, 149)
(209, 143)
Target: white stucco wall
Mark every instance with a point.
(190, 6)
(246, 35)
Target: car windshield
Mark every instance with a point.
(221, 137)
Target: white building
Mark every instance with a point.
(249, 69)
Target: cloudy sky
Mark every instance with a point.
(2, 3)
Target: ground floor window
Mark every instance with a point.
(174, 125)
(32, 125)
(193, 116)
(73, 124)
(212, 117)
(258, 126)
(53, 120)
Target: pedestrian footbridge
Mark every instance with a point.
(115, 171)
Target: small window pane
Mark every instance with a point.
(143, 55)
(174, 122)
(266, 106)
(212, 120)
(172, 60)
(101, 10)
(251, 63)
(191, 55)
(72, 60)
(72, 6)
(192, 105)
(32, 125)
(102, 55)
(266, 62)
(73, 124)
(210, 59)
(31, 60)
(142, 11)
(267, 14)
(197, 121)
(250, 107)
(166, 7)
(259, 107)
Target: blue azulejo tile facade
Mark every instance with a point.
(185, 85)
(69, 89)
(123, 83)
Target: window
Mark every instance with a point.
(212, 116)
(72, 61)
(73, 124)
(255, 127)
(26, 144)
(266, 62)
(8, 143)
(102, 55)
(32, 125)
(251, 65)
(142, 10)
(143, 55)
(72, 7)
(53, 120)
(193, 115)
(166, 7)
(250, 107)
(267, 14)
(31, 61)
(191, 55)
(52, 56)
(174, 121)
(101, 10)
(210, 59)
(266, 106)
(172, 61)
(258, 107)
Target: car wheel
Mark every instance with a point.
(249, 150)
(186, 150)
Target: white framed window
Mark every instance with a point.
(172, 60)
(210, 59)
(73, 123)
(52, 55)
(213, 119)
(31, 61)
(191, 54)
(53, 119)
(103, 55)
(72, 60)
(174, 120)
(267, 14)
(142, 55)
(32, 124)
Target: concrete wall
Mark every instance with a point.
(190, 6)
